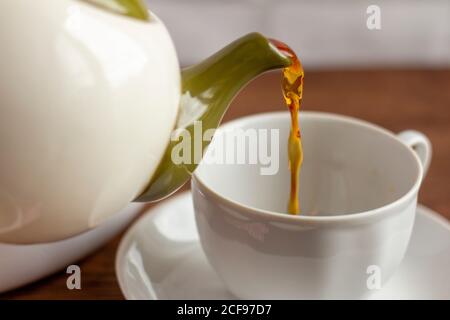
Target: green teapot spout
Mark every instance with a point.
(207, 90)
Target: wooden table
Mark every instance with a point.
(395, 99)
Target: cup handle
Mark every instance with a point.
(420, 144)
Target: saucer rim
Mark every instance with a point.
(151, 212)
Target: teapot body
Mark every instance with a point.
(88, 100)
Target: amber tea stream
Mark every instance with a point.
(292, 87)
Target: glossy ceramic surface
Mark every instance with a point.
(207, 90)
(358, 192)
(88, 100)
(88, 103)
(131, 8)
(160, 257)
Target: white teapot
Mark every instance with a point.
(90, 94)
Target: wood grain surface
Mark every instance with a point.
(394, 99)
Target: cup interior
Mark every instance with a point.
(349, 166)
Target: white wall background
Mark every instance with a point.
(325, 33)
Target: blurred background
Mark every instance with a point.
(326, 34)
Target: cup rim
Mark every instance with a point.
(283, 217)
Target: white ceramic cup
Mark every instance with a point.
(358, 193)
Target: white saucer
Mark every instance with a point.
(160, 257)
(22, 264)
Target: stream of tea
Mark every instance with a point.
(292, 87)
